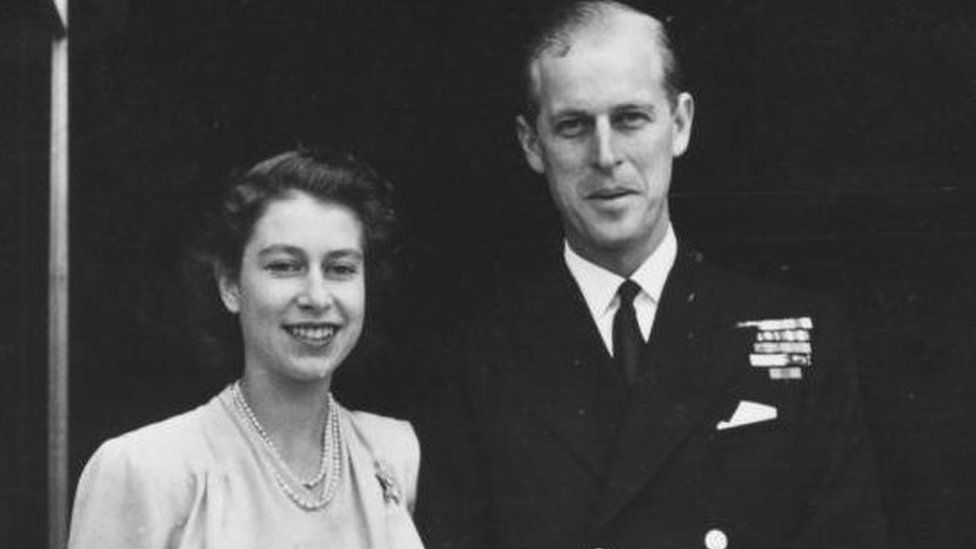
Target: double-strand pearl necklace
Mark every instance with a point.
(323, 460)
(330, 467)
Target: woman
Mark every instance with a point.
(272, 460)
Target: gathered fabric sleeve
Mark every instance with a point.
(129, 496)
(406, 455)
(393, 442)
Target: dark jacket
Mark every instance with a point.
(538, 442)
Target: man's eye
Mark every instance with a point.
(632, 120)
(571, 127)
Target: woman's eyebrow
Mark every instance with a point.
(280, 248)
(354, 253)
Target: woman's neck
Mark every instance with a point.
(293, 416)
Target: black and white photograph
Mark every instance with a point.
(377, 274)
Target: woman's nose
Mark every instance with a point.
(316, 293)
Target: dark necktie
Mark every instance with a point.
(627, 340)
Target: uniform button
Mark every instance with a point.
(716, 539)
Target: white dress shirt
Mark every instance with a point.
(599, 287)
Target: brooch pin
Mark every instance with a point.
(391, 491)
(782, 346)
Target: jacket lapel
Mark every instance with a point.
(689, 330)
(558, 366)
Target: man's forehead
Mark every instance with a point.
(599, 73)
(609, 25)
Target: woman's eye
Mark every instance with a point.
(342, 270)
(284, 267)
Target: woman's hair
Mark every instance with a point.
(327, 175)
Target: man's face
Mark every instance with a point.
(605, 138)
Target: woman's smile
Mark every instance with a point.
(316, 334)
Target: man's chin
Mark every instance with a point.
(617, 240)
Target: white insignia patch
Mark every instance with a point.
(785, 373)
(777, 324)
(782, 346)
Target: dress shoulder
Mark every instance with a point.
(393, 442)
(173, 441)
(139, 488)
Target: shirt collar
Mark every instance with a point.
(599, 286)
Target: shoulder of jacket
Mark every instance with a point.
(159, 449)
(763, 291)
(393, 438)
(395, 449)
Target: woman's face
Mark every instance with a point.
(301, 290)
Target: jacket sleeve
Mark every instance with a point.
(123, 503)
(843, 501)
(453, 499)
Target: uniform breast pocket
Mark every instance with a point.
(753, 429)
(756, 450)
(757, 434)
(747, 414)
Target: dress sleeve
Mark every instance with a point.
(411, 466)
(127, 501)
(394, 443)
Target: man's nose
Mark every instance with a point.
(316, 293)
(605, 154)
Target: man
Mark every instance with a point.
(631, 395)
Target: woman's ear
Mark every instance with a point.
(230, 292)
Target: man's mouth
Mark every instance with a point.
(312, 333)
(609, 194)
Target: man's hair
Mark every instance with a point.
(556, 28)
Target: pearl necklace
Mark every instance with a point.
(330, 467)
(323, 461)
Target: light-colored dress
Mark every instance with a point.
(205, 479)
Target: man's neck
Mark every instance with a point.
(625, 260)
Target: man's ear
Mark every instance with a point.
(529, 140)
(230, 290)
(682, 118)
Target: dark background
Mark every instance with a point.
(834, 149)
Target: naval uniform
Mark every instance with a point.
(743, 429)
